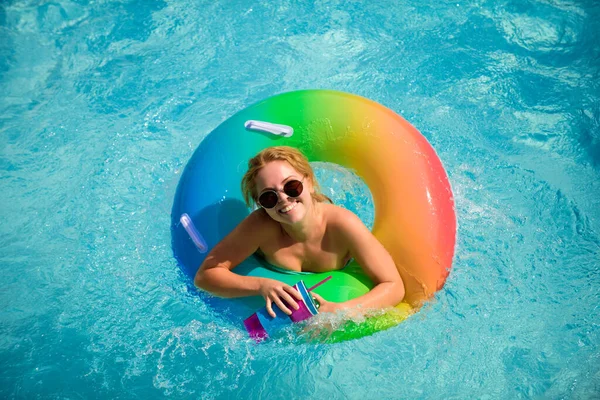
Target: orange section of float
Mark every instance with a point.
(414, 207)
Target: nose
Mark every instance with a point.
(282, 196)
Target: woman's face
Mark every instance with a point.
(288, 210)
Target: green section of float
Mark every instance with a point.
(346, 284)
(320, 121)
(358, 328)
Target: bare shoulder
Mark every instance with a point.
(258, 216)
(341, 219)
(259, 223)
(259, 226)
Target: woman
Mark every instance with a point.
(295, 229)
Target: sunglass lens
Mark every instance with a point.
(293, 188)
(268, 199)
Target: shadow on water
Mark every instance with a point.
(589, 135)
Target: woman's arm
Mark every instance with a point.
(215, 275)
(375, 261)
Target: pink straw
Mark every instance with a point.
(320, 283)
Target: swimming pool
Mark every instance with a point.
(102, 103)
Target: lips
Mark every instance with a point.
(288, 208)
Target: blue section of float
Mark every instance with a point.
(209, 192)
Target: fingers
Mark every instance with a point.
(282, 306)
(326, 306)
(293, 291)
(287, 290)
(282, 299)
(270, 308)
(319, 298)
(283, 296)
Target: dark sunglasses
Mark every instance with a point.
(270, 198)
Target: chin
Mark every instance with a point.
(292, 219)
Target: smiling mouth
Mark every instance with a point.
(288, 208)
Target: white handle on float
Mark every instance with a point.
(196, 237)
(268, 127)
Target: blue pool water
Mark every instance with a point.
(103, 102)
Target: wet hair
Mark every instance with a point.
(292, 156)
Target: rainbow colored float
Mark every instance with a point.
(414, 206)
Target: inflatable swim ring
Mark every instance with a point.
(414, 206)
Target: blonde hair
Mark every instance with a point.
(294, 157)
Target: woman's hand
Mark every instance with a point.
(284, 296)
(326, 306)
